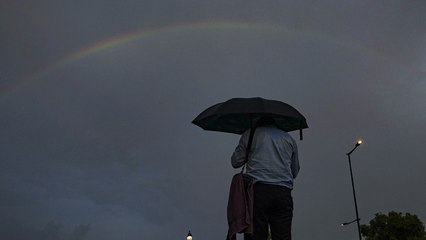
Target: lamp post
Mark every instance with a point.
(189, 236)
(359, 142)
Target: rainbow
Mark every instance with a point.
(174, 29)
(135, 36)
(146, 33)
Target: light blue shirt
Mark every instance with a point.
(273, 158)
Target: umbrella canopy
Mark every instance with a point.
(239, 114)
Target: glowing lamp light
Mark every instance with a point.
(359, 142)
(189, 236)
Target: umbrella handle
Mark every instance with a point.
(252, 130)
(301, 130)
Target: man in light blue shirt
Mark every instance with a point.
(273, 163)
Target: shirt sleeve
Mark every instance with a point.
(238, 158)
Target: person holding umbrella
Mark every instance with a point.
(269, 154)
(273, 163)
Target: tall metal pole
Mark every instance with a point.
(353, 187)
(353, 190)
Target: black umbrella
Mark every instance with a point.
(239, 114)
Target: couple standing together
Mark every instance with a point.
(273, 163)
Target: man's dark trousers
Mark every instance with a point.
(273, 206)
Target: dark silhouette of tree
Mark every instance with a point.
(394, 226)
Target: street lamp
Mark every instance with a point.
(347, 223)
(359, 142)
(189, 236)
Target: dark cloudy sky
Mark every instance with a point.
(97, 99)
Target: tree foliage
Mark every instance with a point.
(394, 226)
